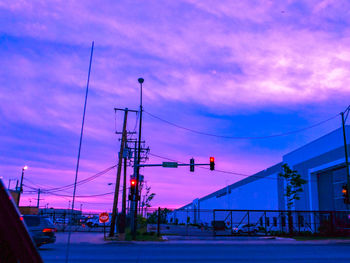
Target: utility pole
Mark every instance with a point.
(116, 191)
(133, 202)
(140, 80)
(21, 185)
(346, 152)
(38, 202)
(8, 186)
(122, 221)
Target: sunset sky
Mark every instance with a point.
(229, 68)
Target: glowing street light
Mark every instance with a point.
(21, 185)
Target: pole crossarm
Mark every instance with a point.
(126, 109)
(128, 132)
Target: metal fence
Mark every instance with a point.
(80, 222)
(89, 222)
(219, 222)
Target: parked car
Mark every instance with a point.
(95, 222)
(218, 225)
(41, 229)
(61, 220)
(83, 220)
(248, 228)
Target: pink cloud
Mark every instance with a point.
(222, 58)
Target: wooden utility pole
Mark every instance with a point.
(122, 223)
(38, 203)
(116, 191)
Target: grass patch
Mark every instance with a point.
(142, 235)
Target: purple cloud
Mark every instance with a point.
(231, 68)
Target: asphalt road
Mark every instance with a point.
(91, 248)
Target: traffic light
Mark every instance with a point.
(191, 165)
(133, 183)
(345, 194)
(212, 163)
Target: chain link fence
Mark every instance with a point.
(220, 222)
(216, 222)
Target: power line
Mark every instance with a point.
(84, 196)
(86, 180)
(241, 137)
(62, 195)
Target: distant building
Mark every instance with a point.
(14, 195)
(58, 212)
(29, 210)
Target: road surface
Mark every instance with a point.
(89, 247)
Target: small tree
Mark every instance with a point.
(294, 186)
(153, 218)
(146, 199)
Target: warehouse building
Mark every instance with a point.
(321, 163)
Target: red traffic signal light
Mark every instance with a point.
(133, 183)
(212, 163)
(344, 191)
(345, 194)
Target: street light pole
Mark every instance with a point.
(21, 185)
(140, 80)
(346, 154)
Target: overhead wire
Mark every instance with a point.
(35, 190)
(86, 180)
(241, 137)
(84, 196)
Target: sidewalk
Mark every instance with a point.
(250, 240)
(97, 238)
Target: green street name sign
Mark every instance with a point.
(170, 164)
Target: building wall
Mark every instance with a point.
(265, 190)
(258, 194)
(325, 153)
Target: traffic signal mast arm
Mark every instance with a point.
(171, 164)
(176, 164)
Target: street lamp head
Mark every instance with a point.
(25, 167)
(141, 80)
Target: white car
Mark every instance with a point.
(61, 221)
(248, 228)
(95, 222)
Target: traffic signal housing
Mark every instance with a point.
(345, 194)
(191, 165)
(133, 196)
(133, 183)
(212, 163)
